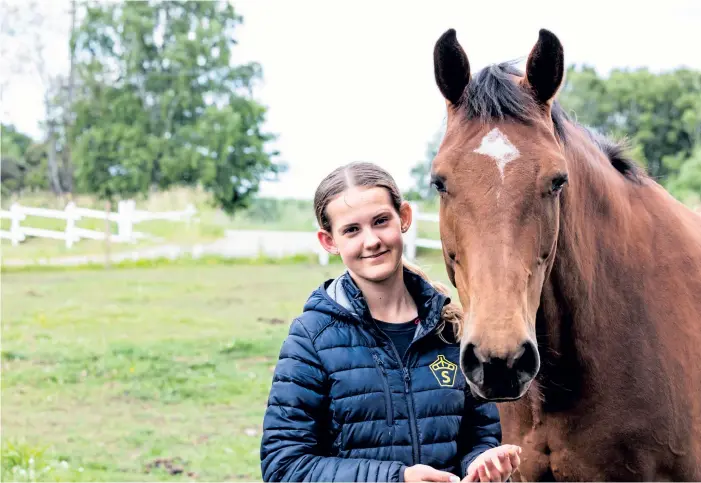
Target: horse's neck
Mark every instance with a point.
(570, 329)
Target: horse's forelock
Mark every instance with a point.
(495, 95)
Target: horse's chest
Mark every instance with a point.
(548, 457)
(553, 452)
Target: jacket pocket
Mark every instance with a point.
(389, 409)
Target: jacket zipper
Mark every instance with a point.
(388, 395)
(407, 393)
(410, 401)
(412, 417)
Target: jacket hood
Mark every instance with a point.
(341, 298)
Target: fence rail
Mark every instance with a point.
(126, 217)
(239, 243)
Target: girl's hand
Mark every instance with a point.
(495, 464)
(418, 473)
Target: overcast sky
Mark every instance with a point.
(348, 81)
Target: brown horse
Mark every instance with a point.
(579, 276)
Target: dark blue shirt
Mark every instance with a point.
(401, 334)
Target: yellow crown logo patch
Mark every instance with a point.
(444, 370)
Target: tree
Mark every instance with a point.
(160, 102)
(686, 183)
(26, 28)
(659, 113)
(13, 145)
(421, 172)
(114, 152)
(24, 162)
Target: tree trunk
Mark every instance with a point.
(68, 110)
(52, 161)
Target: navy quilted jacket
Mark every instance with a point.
(344, 407)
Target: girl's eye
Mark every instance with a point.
(350, 230)
(381, 220)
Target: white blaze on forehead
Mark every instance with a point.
(497, 146)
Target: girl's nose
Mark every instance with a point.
(371, 239)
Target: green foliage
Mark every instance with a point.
(114, 158)
(421, 172)
(686, 182)
(659, 113)
(161, 103)
(24, 162)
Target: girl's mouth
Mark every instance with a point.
(377, 255)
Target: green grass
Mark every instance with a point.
(184, 261)
(154, 372)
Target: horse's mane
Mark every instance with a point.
(493, 95)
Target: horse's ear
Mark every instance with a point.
(545, 68)
(451, 67)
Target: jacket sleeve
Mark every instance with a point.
(294, 446)
(480, 430)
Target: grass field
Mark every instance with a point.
(141, 374)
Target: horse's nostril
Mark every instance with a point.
(527, 363)
(472, 365)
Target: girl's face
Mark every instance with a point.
(366, 231)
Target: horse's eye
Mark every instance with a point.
(439, 184)
(558, 182)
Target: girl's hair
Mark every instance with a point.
(369, 175)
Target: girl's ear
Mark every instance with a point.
(405, 216)
(327, 242)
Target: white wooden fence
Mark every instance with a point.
(126, 217)
(237, 243)
(411, 237)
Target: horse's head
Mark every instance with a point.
(499, 171)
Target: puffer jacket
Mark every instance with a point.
(343, 406)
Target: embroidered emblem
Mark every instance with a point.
(444, 370)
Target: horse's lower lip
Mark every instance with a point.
(479, 394)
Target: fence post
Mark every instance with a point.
(197, 251)
(15, 229)
(323, 254)
(190, 211)
(70, 224)
(323, 257)
(412, 233)
(125, 220)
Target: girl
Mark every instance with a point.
(367, 386)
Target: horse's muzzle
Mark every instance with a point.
(500, 379)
